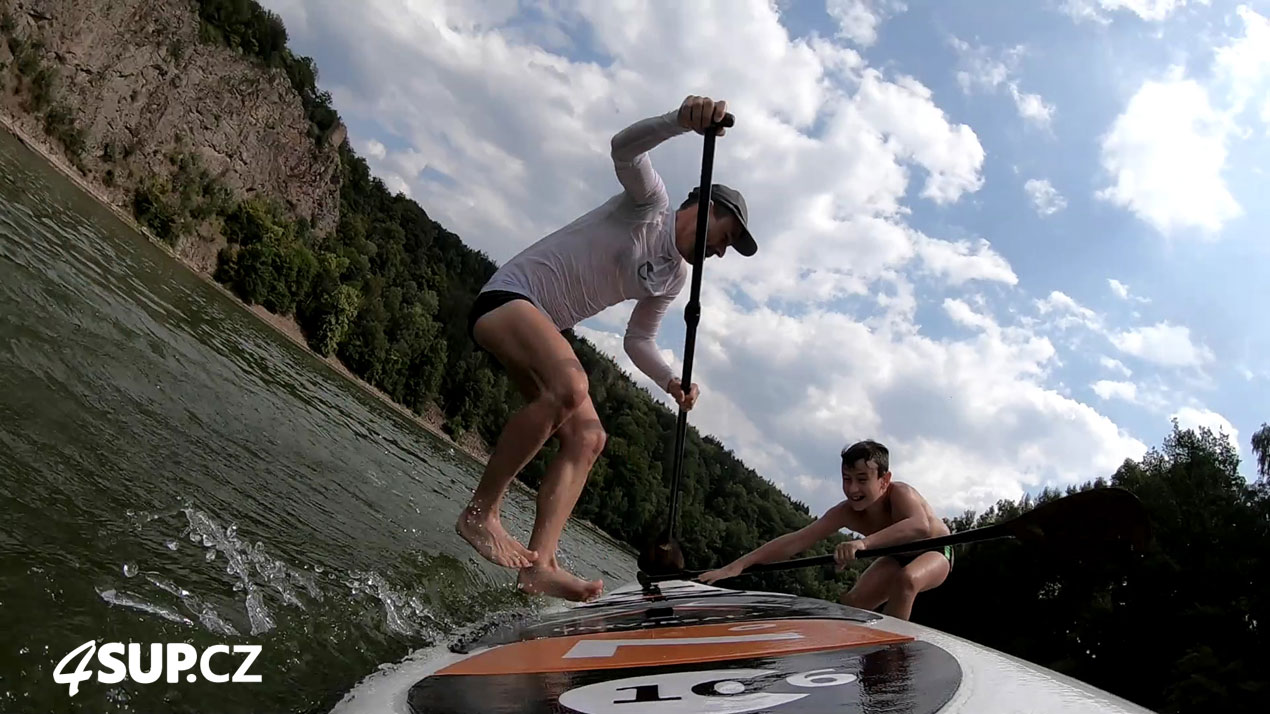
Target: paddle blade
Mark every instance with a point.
(1101, 518)
(661, 556)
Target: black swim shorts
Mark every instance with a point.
(485, 302)
(906, 558)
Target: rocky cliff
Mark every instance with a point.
(133, 92)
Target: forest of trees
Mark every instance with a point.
(1178, 630)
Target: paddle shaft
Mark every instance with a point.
(1100, 514)
(971, 536)
(692, 313)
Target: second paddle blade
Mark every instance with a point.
(1101, 518)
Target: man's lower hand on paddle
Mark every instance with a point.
(685, 402)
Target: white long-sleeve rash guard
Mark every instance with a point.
(622, 250)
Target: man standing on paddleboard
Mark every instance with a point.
(886, 513)
(634, 246)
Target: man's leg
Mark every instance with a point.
(927, 570)
(582, 439)
(554, 385)
(871, 589)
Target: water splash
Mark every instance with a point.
(169, 586)
(256, 573)
(426, 597)
(257, 613)
(207, 614)
(114, 597)
(404, 614)
(245, 562)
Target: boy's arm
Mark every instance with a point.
(790, 544)
(911, 525)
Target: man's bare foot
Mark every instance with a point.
(554, 581)
(484, 532)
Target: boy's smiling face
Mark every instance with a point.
(862, 484)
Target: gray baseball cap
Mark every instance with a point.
(732, 200)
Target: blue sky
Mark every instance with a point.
(1009, 239)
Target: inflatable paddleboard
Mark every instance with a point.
(689, 648)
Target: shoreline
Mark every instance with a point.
(286, 326)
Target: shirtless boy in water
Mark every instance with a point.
(886, 513)
(635, 246)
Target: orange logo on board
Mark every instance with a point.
(672, 645)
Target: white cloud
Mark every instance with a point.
(1121, 291)
(1115, 365)
(1163, 344)
(858, 20)
(1045, 198)
(959, 262)
(1084, 10)
(1032, 107)
(1148, 10)
(828, 379)
(294, 14)
(1243, 66)
(397, 169)
(396, 183)
(374, 149)
(507, 140)
(1154, 399)
(1109, 389)
(1166, 153)
(980, 70)
(715, 407)
(1195, 417)
(824, 490)
(1060, 310)
(963, 314)
(919, 131)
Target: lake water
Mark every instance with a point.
(173, 470)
